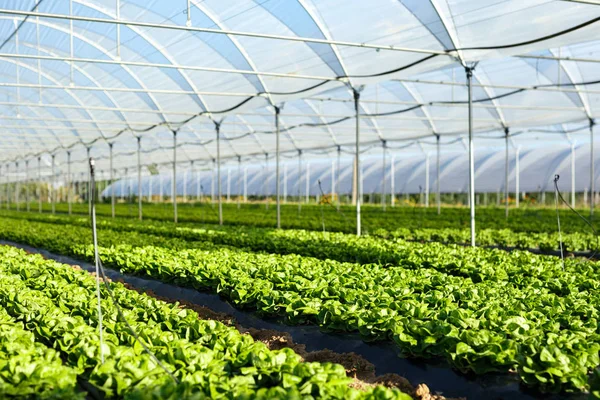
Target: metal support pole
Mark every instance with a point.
(266, 184)
(592, 173)
(469, 72)
(27, 183)
(52, 183)
(383, 170)
(218, 132)
(89, 185)
(506, 191)
(337, 184)
(7, 188)
(438, 194)
(573, 175)
(277, 177)
(139, 173)
(393, 182)
(69, 182)
(427, 180)
(299, 180)
(517, 177)
(245, 185)
(39, 185)
(212, 182)
(17, 187)
(357, 177)
(332, 180)
(239, 181)
(112, 181)
(174, 185)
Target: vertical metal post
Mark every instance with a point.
(383, 170)
(174, 185)
(245, 185)
(69, 200)
(427, 180)
(112, 181)
(592, 173)
(437, 175)
(150, 183)
(357, 177)
(573, 175)
(89, 185)
(17, 187)
(277, 175)
(139, 173)
(299, 180)
(337, 184)
(27, 184)
(266, 183)
(285, 184)
(506, 190)
(39, 184)
(469, 72)
(393, 182)
(212, 182)
(517, 177)
(239, 181)
(52, 183)
(218, 131)
(7, 187)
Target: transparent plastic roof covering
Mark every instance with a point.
(77, 74)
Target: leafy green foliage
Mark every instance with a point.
(210, 360)
(483, 310)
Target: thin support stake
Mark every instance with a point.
(357, 177)
(96, 260)
(69, 200)
(277, 177)
(174, 185)
(383, 174)
(469, 72)
(39, 185)
(52, 183)
(506, 137)
(218, 132)
(438, 198)
(573, 175)
(139, 171)
(112, 182)
(592, 173)
(27, 198)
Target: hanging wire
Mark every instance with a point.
(560, 196)
(100, 270)
(560, 243)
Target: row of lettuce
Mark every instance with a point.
(331, 245)
(482, 310)
(314, 217)
(50, 340)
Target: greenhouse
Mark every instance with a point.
(299, 199)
